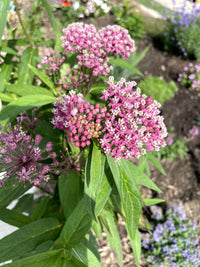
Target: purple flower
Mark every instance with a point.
(191, 76)
(21, 156)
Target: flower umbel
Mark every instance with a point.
(133, 125)
(20, 155)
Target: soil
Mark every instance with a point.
(182, 182)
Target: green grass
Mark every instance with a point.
(153, 5)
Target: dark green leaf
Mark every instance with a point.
(40, 210)
(90, 242)
(54, 258)
(8, 193)
(27, 238)
(14, 218)
(24, 103)
(9, 50)
(85, 255)
(26, 89)
(70, 191)
(136, 245)
(4, 6)
(76, 226)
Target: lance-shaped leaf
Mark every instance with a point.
(156, 163)
(131, 199)
(24, 103)
(4, 6)
(109, 226)
(154, 201)
(8, 193)
(138, 175)
(43, 77)
(50, 14)
(94, 171)
(70, 191)
(28, 57)
(26, 89)
(76, 226)
(54, 258)
(85, 255)
(14, 218)
(27, 238)
(5, 75)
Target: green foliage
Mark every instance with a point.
(175, 150)
(158, 88)
(127, 17)
(33, 22)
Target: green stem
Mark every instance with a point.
(21, 22)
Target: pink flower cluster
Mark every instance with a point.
(94, 47)
(190, 77)
(134, 124)
(20, 155)
(52, 62)
(79, 118)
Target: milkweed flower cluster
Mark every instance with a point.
(79, 118)
(21, 155)
(94, 47)
(190, 77)
(174, 241)
(51, 62)
(134, 125)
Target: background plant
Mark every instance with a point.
(190, 78)
(126, 16)
(183, 30)
(174, 241)
(158, 88)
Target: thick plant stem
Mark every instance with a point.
(21, 22)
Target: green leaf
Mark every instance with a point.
(70, 191)
(156, 163)
(109, 226)
(43, 77)
(54, 258)
(93, 176)
(139, 176)
(27, 238)
(136, 245)
(103, 194)
(8, 193)
(58, 43)
(85, 255)
(50, 14)
(4, 6)
(9, 50)
(28, 58)
(26, 89)
(5, 75)
(97, 88)
(136, 58)
(130, 196)
(149, 202)
(7, 97)
(24, 103)
(126, 65)
(90, 242)
(14, 218)
(40, 210)
(76, 226)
